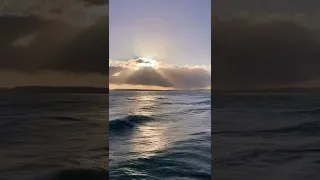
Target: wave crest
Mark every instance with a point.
(127, 122)
(186, 159)
(206, 102)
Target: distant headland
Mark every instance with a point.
(271, 90)
(56, 89)
(159, 89)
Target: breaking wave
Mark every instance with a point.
(127, 122)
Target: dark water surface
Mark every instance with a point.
(160, 135)
(53, 136)
(260, 136)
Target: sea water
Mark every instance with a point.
(160, 135)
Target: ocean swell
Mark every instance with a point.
(127, 122)
(184, 160)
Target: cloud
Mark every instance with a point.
(310, 19)
(161, 75)
(139, 61)
(64, 37)
(53, 45)
(24, 41)
(74, 12)
(99, 10)
(253, 53)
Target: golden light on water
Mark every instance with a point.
(144, 104)
(150, 136)
(149, 139)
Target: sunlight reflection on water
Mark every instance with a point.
(145, 104)
(150, 137)
(149, 140)
(159, 131)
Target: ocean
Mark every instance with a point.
(159, 135)
(266, 136)
(53, 136)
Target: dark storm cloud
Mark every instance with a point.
(247, 54)
(281, 6)
(257, 43)
(141, 61)
(76, 12)
(98, 2)
(52, 35)
(164, 76)
(187, 78)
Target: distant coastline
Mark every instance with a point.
(270, 90)
(73, 90)
(98, 90)
(138, 90)
(55, 89)
(159, 90)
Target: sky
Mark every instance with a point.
(255, 43)
(54, 43)
(265, 44)
(175, 33)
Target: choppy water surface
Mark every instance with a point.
(160, 135)
(261, 136)
(53, 136)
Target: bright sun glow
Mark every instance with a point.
(146, 62)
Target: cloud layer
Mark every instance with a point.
(54, 35)
(75, 12)
(66, 37)
(265, 52)
(162, 75)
